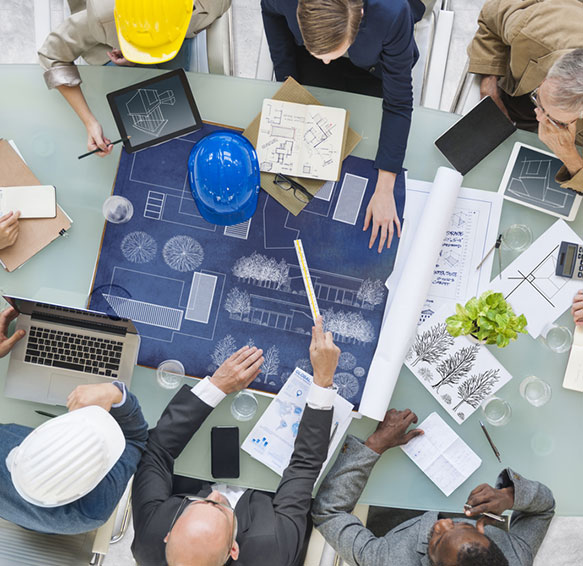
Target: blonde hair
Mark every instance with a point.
(327, 24)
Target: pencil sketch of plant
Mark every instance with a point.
(455, 367)
(371, 293)
(461, 415)
(183, 253)
(139, 247)
(426, 374)
(347, 385)
(432, 344)
(271, 364)
(224, 348)
(446, 399)
(347, 361)
(237, 303)
(263, 271)
(475, 389)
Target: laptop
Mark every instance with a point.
(65, 347)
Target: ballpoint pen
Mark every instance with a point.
(490, 441)
(99, 149)
(334, 429)
(45, 414)
(493, 516)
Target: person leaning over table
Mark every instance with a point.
(364, 46)
(224, 523)
(530, 56)
(134, 31)
(429, 540)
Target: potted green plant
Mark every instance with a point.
(489, 319)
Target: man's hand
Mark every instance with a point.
(324, 355)
(489, 87)
(238, 371)
(561, 141)
(103, 395)
(382, 211)
(393, 431)
(6, 344)
(96, 139)
(485, 498)
(116, 56)
(9, 228)
(577, 308)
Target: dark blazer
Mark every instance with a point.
(271, 528)
(384, 45)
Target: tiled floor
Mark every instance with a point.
(563, 545)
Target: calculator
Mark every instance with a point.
(570, 261)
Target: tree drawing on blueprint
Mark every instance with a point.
(238, 303)
(431, 345)
(347, 385)
(223, 350)
(262, 270)
(348, 326)
(475, 389)
(371, 293)
(456, 366)
(139, 247)
(271, 364)
(183, 253)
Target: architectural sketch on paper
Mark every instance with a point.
(145, 109)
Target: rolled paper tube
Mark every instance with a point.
(400, 324)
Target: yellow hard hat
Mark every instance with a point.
(151, 31)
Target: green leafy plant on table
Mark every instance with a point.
(489, 319)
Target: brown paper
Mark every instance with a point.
(292, 91)
(35, 233)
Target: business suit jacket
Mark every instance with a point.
(384, 45)
(406, 545)
(271, 527)
(519, 41)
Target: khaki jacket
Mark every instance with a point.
(519, 40)
(90, 33)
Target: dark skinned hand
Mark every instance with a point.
(392, 431)
(486, 498)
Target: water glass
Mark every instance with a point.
(559, 339)
(117, 210)
(244, 406)
(497, 411)
(536, 391)
(517, 237)
(170, 374)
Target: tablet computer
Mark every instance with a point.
(155, 110)
(475, 135)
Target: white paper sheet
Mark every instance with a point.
(271, 440)
(530, 285)
(409, 295)
(442, 455)
(458, 373)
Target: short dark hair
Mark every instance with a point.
(474, 554)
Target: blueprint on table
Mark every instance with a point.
(198, 292)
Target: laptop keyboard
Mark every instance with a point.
(78, 352)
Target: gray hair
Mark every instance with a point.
(567, 76)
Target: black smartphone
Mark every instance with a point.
(225, 452)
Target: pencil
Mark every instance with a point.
(44, 414)
(490, 442)
(98, 149)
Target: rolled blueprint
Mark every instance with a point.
(400, 324)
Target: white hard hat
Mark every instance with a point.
(65, 458)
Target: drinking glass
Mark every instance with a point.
(117, 210)
(517, 237)
(170, 374)
(497, 411)
(536, 391)
(559, 339)
(244, 406)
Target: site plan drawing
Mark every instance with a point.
(198, 292)
(301, 140)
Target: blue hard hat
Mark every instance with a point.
(223, 171)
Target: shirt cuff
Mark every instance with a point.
(122, 387)
(564, 178)
(321, 397)
(62, 75)
(208, 392)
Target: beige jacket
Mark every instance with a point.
(90, 33)
(519, 40)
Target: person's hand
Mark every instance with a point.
(9, 228)
(116, 56)
(382, 211)
(486, 498)
(103, 395)
(392, 431)
(6, 344)
(239, 370)
(561, 141)
(96, 139)
(324, 355)
(489, 87)
(577, 308)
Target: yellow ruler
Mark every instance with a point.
(307, 279)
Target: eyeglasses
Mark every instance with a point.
(285, 183)
(556, 123)
(193, 500)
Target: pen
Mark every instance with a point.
(45, 414)
(98, 149)
(490, 441)
(333, 433)
(498, 518)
